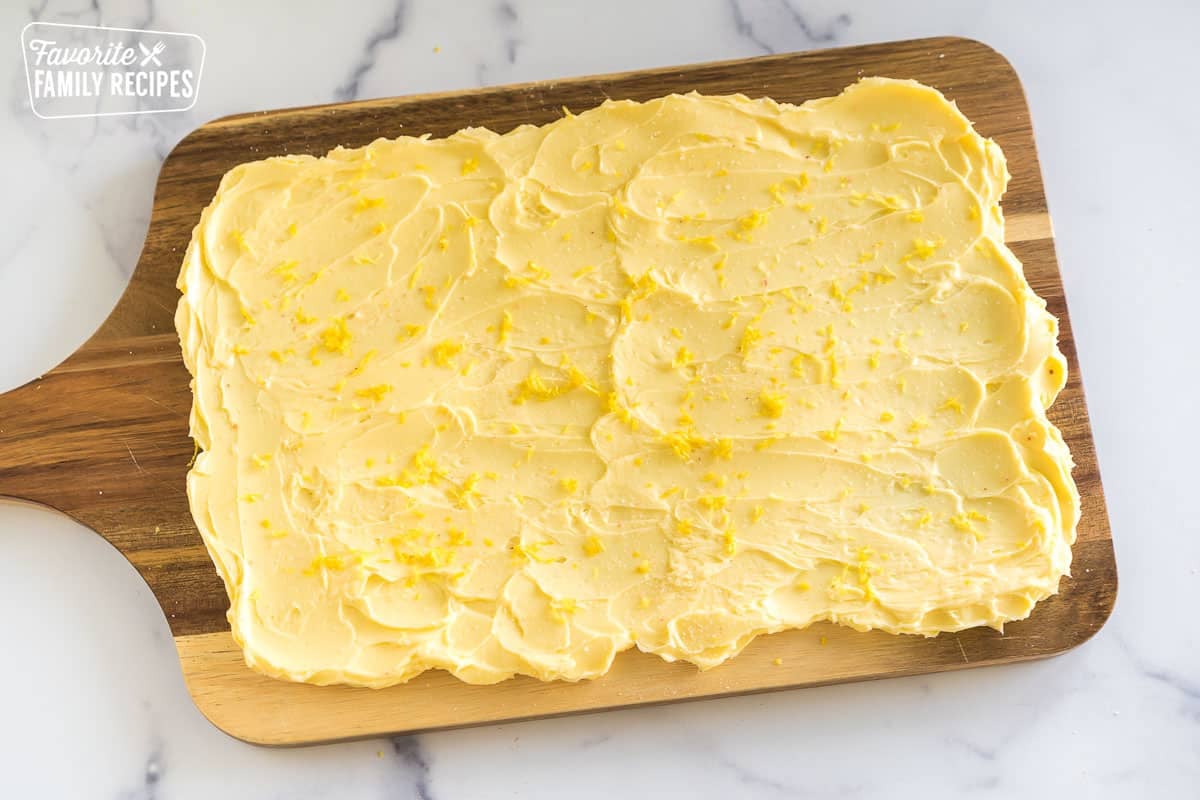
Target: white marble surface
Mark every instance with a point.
(91, 700)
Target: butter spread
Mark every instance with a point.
(669, 375)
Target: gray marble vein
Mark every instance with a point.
(507, 24)
(387, 33)
(761, 21)
(415, 765)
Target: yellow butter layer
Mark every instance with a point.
(669, 375)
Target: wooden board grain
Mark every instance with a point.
(103, 436)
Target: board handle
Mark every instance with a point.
(107, 426)
(36, 445)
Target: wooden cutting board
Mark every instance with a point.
(103, 436)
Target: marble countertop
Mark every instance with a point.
(93, 702)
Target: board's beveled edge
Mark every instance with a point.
(361, 707)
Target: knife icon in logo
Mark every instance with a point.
(152, 55)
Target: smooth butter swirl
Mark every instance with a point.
(671, 374)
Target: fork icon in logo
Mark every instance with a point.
(152, 55)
